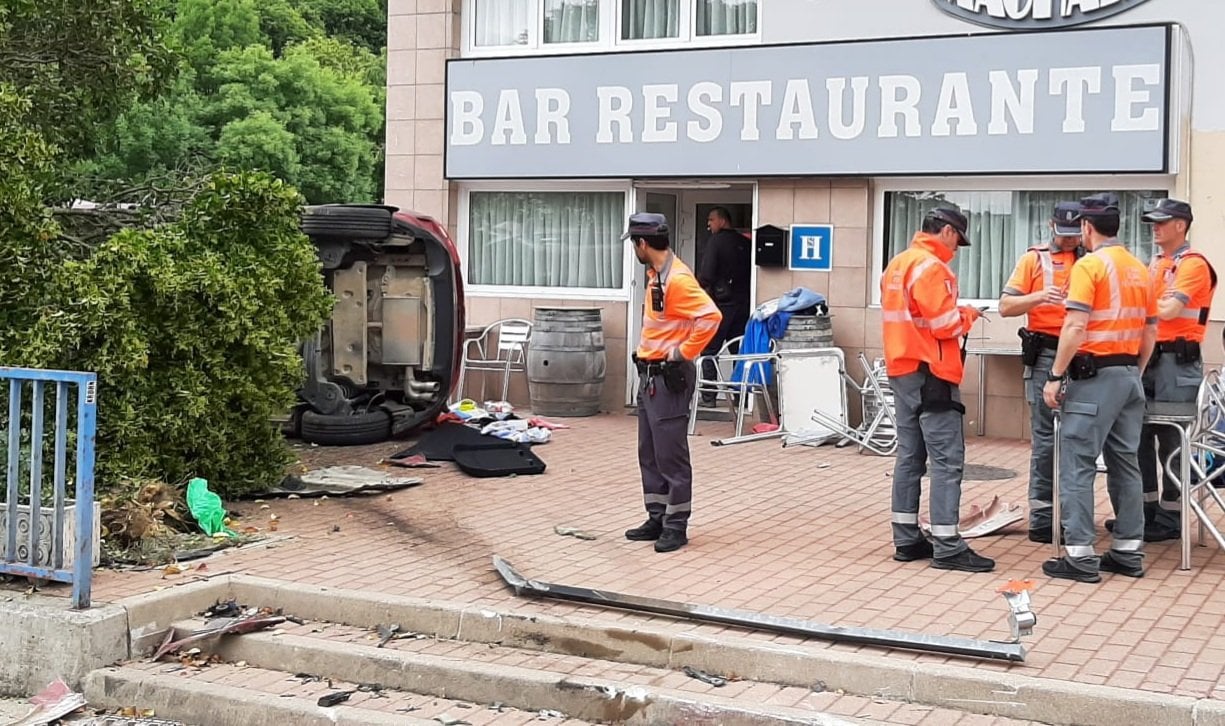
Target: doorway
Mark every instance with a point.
(686, 205)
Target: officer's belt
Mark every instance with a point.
(1170, 346)
(1048, 342)
(650, 367)
(1111, 361)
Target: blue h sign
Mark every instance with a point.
(812, 247)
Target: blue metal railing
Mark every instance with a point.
(51, 566)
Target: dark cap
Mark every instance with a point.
(647, 224)
(1168, 209)
(1067, 219)
(954, 218)
(1098, 205)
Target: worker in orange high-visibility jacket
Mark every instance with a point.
(1036, 290)
(923, 329)
(678, 321)
(1183, 283)
(1106, 340)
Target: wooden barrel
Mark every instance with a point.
(807, 332)
(566, 362)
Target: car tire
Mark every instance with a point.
(347, 221)
(358, 429)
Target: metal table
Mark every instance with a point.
(982, 352)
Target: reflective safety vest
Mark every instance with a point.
(1114, 288)
(688, 321)
(920, 319)
(1046, 267)
(1190, 277)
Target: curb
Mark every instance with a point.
(184, 699)
(962, 688)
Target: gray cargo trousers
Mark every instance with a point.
(663, 449)
(1102, 414)
(925, 436)
(1165, 380)
(1042, 443)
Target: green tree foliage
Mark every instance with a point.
(292, 87)
(192, 328)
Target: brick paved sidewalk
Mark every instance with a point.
(798, 531)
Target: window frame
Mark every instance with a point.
(463, 232)
(1090, 185)
(610, 34)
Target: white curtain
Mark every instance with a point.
(726, 17)
(645, 19)
(1002, 225)
(571, 21)
(546, 239)
(504, 22)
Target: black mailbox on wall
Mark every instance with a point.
(771, 243)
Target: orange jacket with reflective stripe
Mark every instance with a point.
(1038, 269)
(1114, 288)
(688, 321)
(1188, 276)
(921, 322)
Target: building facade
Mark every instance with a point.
(534, 127)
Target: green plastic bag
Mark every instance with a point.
(206, 507)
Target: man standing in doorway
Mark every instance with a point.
(1183, 283)
(725, 274)
(1037, 289)
(678, 321)
(923, 328)
(1107, 338)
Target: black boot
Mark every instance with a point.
(1065, 570)
(671, 540)
(921, 550)
(649, 531)
(965, 561)
(1110, 564)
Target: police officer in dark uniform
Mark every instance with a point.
(678, 321)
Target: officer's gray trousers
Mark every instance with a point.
(1042, 443)
(931, 436)
(663, 450)
(1165, 380)
(1102, 414)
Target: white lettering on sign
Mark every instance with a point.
(892, 105)
(552, 105)
(838, 126)
(654, 113)
(1074, 83)
(699, 110)
(1127, 97)
(1034, 13)
(810, 247)
(1008, 99)
(699, 96)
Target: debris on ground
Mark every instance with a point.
(703, 676)
(414, 461)
(573, 532)
(447, 719)
(386, 633)
(207, 508)
(338, 481)
(231, 626)
(227, 609)
(549, 713)
(52, 703)
(334, 699)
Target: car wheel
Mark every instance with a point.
(347, 221)
(367, 427)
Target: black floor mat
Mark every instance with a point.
(490, 460)
(439, 444)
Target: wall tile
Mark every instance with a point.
(399, 171)
(400, 138)
(402, 198)
(776, 204)
(772, 282)
(872, 330)
(431, 65)
(401, 7)
(815, 281)
(401, 32)
(848, 288)
(430, 201)
(428, 174)
(401, 103)
(429, 136)
(851, 247)
(849, 206)
(482, 310)
(401, 67)
(430, 99)
(848, 327)
(812, 205)
(433, 30)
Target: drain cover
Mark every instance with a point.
(980, 472)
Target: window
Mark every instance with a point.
(533, 26)
(1003, 224)
(546, 239)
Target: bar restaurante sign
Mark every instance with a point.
(1034, 14)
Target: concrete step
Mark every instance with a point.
(231, 695)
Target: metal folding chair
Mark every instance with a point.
(500, 348)
(879, 434)
(753, 382)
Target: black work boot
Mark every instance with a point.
(1154, 532)
(921, 550)
(1065, 570)
(965, 561)
(671, 540)
(1110, 564)
(1040, 534)
(649, 531)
